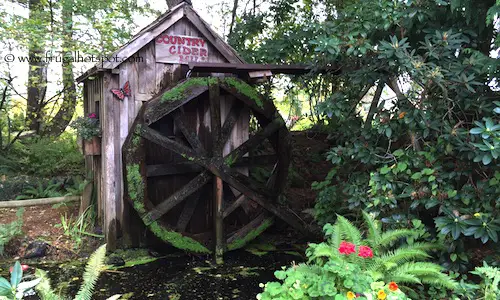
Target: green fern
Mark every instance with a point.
(94, 267)
(43, 288)
(92, 271)
(404, 264)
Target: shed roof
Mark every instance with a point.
(162, 23)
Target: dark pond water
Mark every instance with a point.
(178, 277)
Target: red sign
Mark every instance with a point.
(180, 49)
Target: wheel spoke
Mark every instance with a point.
(261, 223)
(255, 140)
(241, 198)
(188, 211)
(157, 138)
(190, 136)
(232, 118)
(258, 160)
(172, 169)
(177, 197)
(214, 97)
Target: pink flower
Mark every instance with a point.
(346, 248)
(365, 251)
(23, 267)
(92, 115)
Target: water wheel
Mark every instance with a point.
(205, 163)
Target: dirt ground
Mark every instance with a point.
(39, 224)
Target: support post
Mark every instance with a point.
(218, 221)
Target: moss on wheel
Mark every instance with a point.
(239, 243)
(180, 91)
(177, 240)
(245, 89)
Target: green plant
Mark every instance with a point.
(15, 288)
(489, 286)
(41, 190)
(77, 228)
(347, 263)
(87, 127)
(95, 266)
(11, 230)
(393, 259)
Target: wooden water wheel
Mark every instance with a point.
(205, 163)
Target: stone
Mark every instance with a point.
(36, 249)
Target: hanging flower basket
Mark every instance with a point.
(89, 131)
(92, 146)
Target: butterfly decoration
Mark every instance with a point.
(123, 92)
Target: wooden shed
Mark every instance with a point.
(176, 151)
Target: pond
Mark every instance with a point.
(178, 276)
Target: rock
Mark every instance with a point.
(115, 261)
(36, 249)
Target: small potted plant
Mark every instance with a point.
(88, 129)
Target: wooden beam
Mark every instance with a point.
(157, 108)
(157, 138)
(218, 220)
(258, 160)
(177, 197)
(190, 136)
(282, 212)
(254, 140)
(241, 198)
(231, 119)
(188, 211)
(250, 231)
(172, 169)
(40, 201)
(215, 119)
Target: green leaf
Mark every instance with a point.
(384, 170)
(398, 153)
(431, 178)
(5, 287)
(416, 176)
(476, 130)
(487, 159)
(453, 257)
(388, 132)
(16, 275)
(402, 166)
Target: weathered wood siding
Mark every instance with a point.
(147, 78)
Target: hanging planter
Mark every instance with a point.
(92, 146)
(89, 131)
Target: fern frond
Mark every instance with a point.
(389, 237)
(374, 230)
(402, 255)
(428, 273)
(349, 231)
(43, 287)
(92, 272)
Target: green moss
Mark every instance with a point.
(239, 243)
(245, 89)
(134, 183)
(179, 92)
(177, 240)
(229, 160)
(136, 140)
(139, 207)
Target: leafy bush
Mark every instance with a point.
(41, 191)
(11, 230)
(87, 127)
(347, 264)
(489, 287)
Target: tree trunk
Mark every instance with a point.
(67, 109)
(233, 16)
(37, 73)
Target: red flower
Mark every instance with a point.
(393, 286)
(92, 115)
(23, 267)
(346, 248)
(365, 251)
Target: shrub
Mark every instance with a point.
(347, 264)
